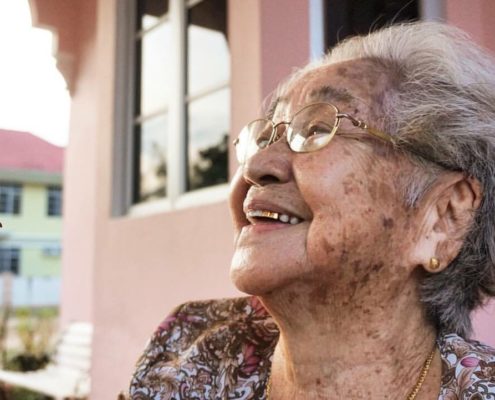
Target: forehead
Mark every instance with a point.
(350, 83)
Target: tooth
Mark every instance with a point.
(269, 214)
(284, 218)
(294, 220)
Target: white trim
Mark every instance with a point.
(146, 117)
(149, 208)
(140, 34)
(176, 143)
(30, 242)
(30, 176)
(192, 3)
(34, 237)
(200, 197)
(316, 29)
(432, 10)
(209, 90)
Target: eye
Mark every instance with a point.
(262, 143)
(317, 129)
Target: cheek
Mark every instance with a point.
(324, 244)
(338, 214)
(354, 220)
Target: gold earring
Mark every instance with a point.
(434, 264)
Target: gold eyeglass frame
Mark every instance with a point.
(338, 117)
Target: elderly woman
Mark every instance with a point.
(364, 214)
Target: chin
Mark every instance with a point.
(250, 278)
(246, 282)
(261, 277)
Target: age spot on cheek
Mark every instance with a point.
(388, 223)
(293, 296)
(319, 295)
(348, 187)
(329, 249)
(377, 267)
(356, 264)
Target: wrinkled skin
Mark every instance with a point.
(342, 284)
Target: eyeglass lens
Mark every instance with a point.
(311, 129)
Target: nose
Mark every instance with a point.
(272, 164)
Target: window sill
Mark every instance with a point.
(196, 198)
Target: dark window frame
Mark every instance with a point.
(177, 166)
(10, 260)
(54, 201)
(10, 198)
(353, 17)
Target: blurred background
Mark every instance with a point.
(116, 124)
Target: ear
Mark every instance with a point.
(450, 208)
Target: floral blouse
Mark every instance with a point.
(222, 349)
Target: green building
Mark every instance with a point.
(30, 211)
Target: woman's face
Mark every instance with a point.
(349, 226)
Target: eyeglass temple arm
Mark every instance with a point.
(390, 139)
(363, 125)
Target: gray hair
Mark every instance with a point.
(441, 103)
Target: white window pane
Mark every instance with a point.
(152, 160)
(208, 51)
(209, 122)
(155, 64)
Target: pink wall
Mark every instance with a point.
(264, 51)
(477, 17)
(76, 42)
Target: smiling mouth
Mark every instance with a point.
(259, 216)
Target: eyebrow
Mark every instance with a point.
(330, 93)
(325, 93)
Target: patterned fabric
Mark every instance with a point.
(468, 369)
(222, 349)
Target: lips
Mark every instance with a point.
(257, 211)
(256, 216)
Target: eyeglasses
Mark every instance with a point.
(310, 129)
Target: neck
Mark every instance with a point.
(368, 336)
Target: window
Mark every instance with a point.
(54, 201)
(10, 260)
(347, 18)
(208, 94)
(10, 198)
(181, 97)
(53, 251)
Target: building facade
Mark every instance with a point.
(159, 89)
(31, 214)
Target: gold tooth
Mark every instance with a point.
(269, 214)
